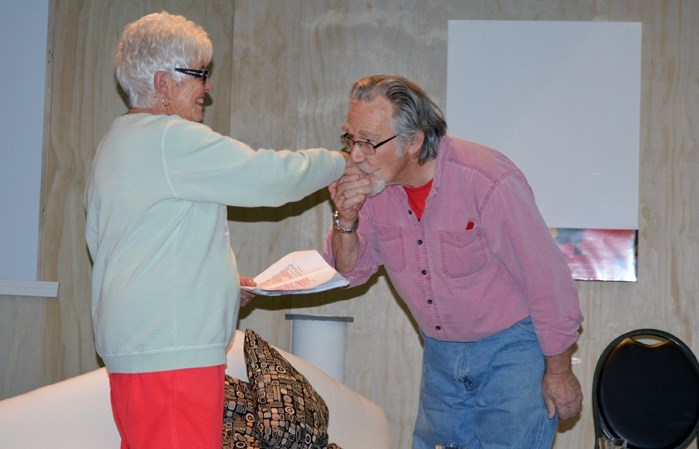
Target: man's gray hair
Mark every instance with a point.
(413, 110)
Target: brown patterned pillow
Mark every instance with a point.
(290, 413)
(239, 415)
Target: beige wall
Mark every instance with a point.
(281, 74)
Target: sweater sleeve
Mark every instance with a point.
(202, 165)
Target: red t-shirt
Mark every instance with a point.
(417, 197)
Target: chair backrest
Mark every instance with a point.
(647, 393)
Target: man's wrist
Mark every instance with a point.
(560, 363)
(338, 226)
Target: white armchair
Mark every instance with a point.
(76, 413)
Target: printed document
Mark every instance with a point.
(298, 272)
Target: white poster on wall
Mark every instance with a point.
(562, 100)
(23, 33)
(23, 44)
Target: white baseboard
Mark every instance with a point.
(42, 289)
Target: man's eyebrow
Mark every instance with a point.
(366, 135)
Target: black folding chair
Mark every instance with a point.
(646, 391)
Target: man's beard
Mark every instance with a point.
(377, 186)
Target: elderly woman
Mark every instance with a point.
(165, 287)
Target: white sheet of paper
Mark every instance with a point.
(298, 272)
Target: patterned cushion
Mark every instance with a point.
(290, 413)
(239, 415)
(238, 441)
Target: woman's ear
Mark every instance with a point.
(161, 82)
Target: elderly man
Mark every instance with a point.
(456, 228)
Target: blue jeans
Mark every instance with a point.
(484, 394)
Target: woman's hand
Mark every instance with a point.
(246, 295)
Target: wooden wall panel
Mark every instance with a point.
(282, 71)
(264, 115)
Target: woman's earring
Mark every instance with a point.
(166, 101)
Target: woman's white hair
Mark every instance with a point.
(158, 42)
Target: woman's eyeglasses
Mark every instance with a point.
(201, 74)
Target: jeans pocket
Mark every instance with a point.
(525, 326)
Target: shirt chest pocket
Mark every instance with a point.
(462, 253)
(392, 247)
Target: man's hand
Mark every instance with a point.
(349, 192)
(560, 387)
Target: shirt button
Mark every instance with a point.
(439, 328)
(429, 301)
(424, 272)
(419, 242)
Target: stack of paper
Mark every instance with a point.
(297, 272)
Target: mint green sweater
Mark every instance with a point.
(165, 287)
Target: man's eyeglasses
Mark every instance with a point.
(202, 74)
(363, 145)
